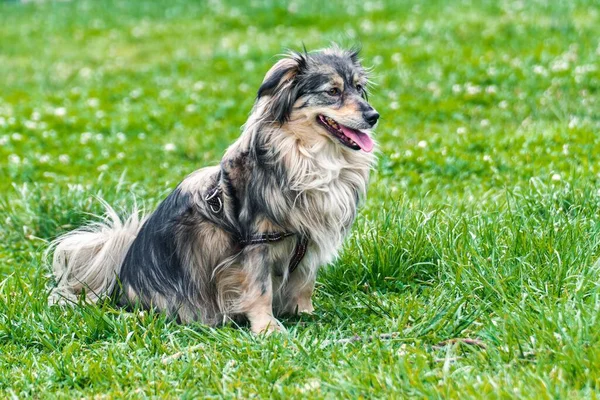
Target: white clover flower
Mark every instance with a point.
(138, 31)
(394, 105)
(44, 159)
(85, 137)
(311, 385)
(391, 27)
(243, 49)
(198, 86)
(560, 65)
(85, 72)
(485, 123)
(93, 102)
(120, 155)
(456, 88)
(503, 104)
(121, 137)
(584, 69)
(76, 188)
(135, 93)
(422, 144)
(169, 147)
(14, 159)
(190, 108)
(492, 89)
(64, 158)
(461, 130)
(434, 88)
(3, 140)
(102, 168)
(539, 70)
(367, 26)
(473, 89)
(17, 137)
(556, 177)
(60, 111)
(573, 122)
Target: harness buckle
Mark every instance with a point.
(214, 201)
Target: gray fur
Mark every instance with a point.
(284, 174)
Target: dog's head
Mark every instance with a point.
(325, 92)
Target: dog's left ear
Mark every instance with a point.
(279, 86)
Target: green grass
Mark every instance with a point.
(482, 221)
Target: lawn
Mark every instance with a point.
(470, 271)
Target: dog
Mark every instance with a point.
(243, 240)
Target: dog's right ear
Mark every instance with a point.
(280, 86)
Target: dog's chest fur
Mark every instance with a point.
(308, 191)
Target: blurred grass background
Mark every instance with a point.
(481, 221)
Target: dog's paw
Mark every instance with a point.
(305, 306)
(306, 310)
(267, 327)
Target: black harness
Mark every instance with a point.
(214, 200)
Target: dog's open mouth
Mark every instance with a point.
(352, 138)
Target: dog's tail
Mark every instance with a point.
(89, 259)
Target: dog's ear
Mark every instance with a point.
(280, 86)
(353, 53)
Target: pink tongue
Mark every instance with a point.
(361, 138)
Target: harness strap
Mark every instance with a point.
(266, 238)
(215, 204)
(299, 253)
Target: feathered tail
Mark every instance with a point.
(89, 258)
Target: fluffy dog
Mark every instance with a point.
(245, 238)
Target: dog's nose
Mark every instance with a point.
(371, 116)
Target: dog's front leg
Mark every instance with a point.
(260, 312)
(256, 300)
(299, 290)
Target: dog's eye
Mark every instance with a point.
(333, 91)
(361, 90)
